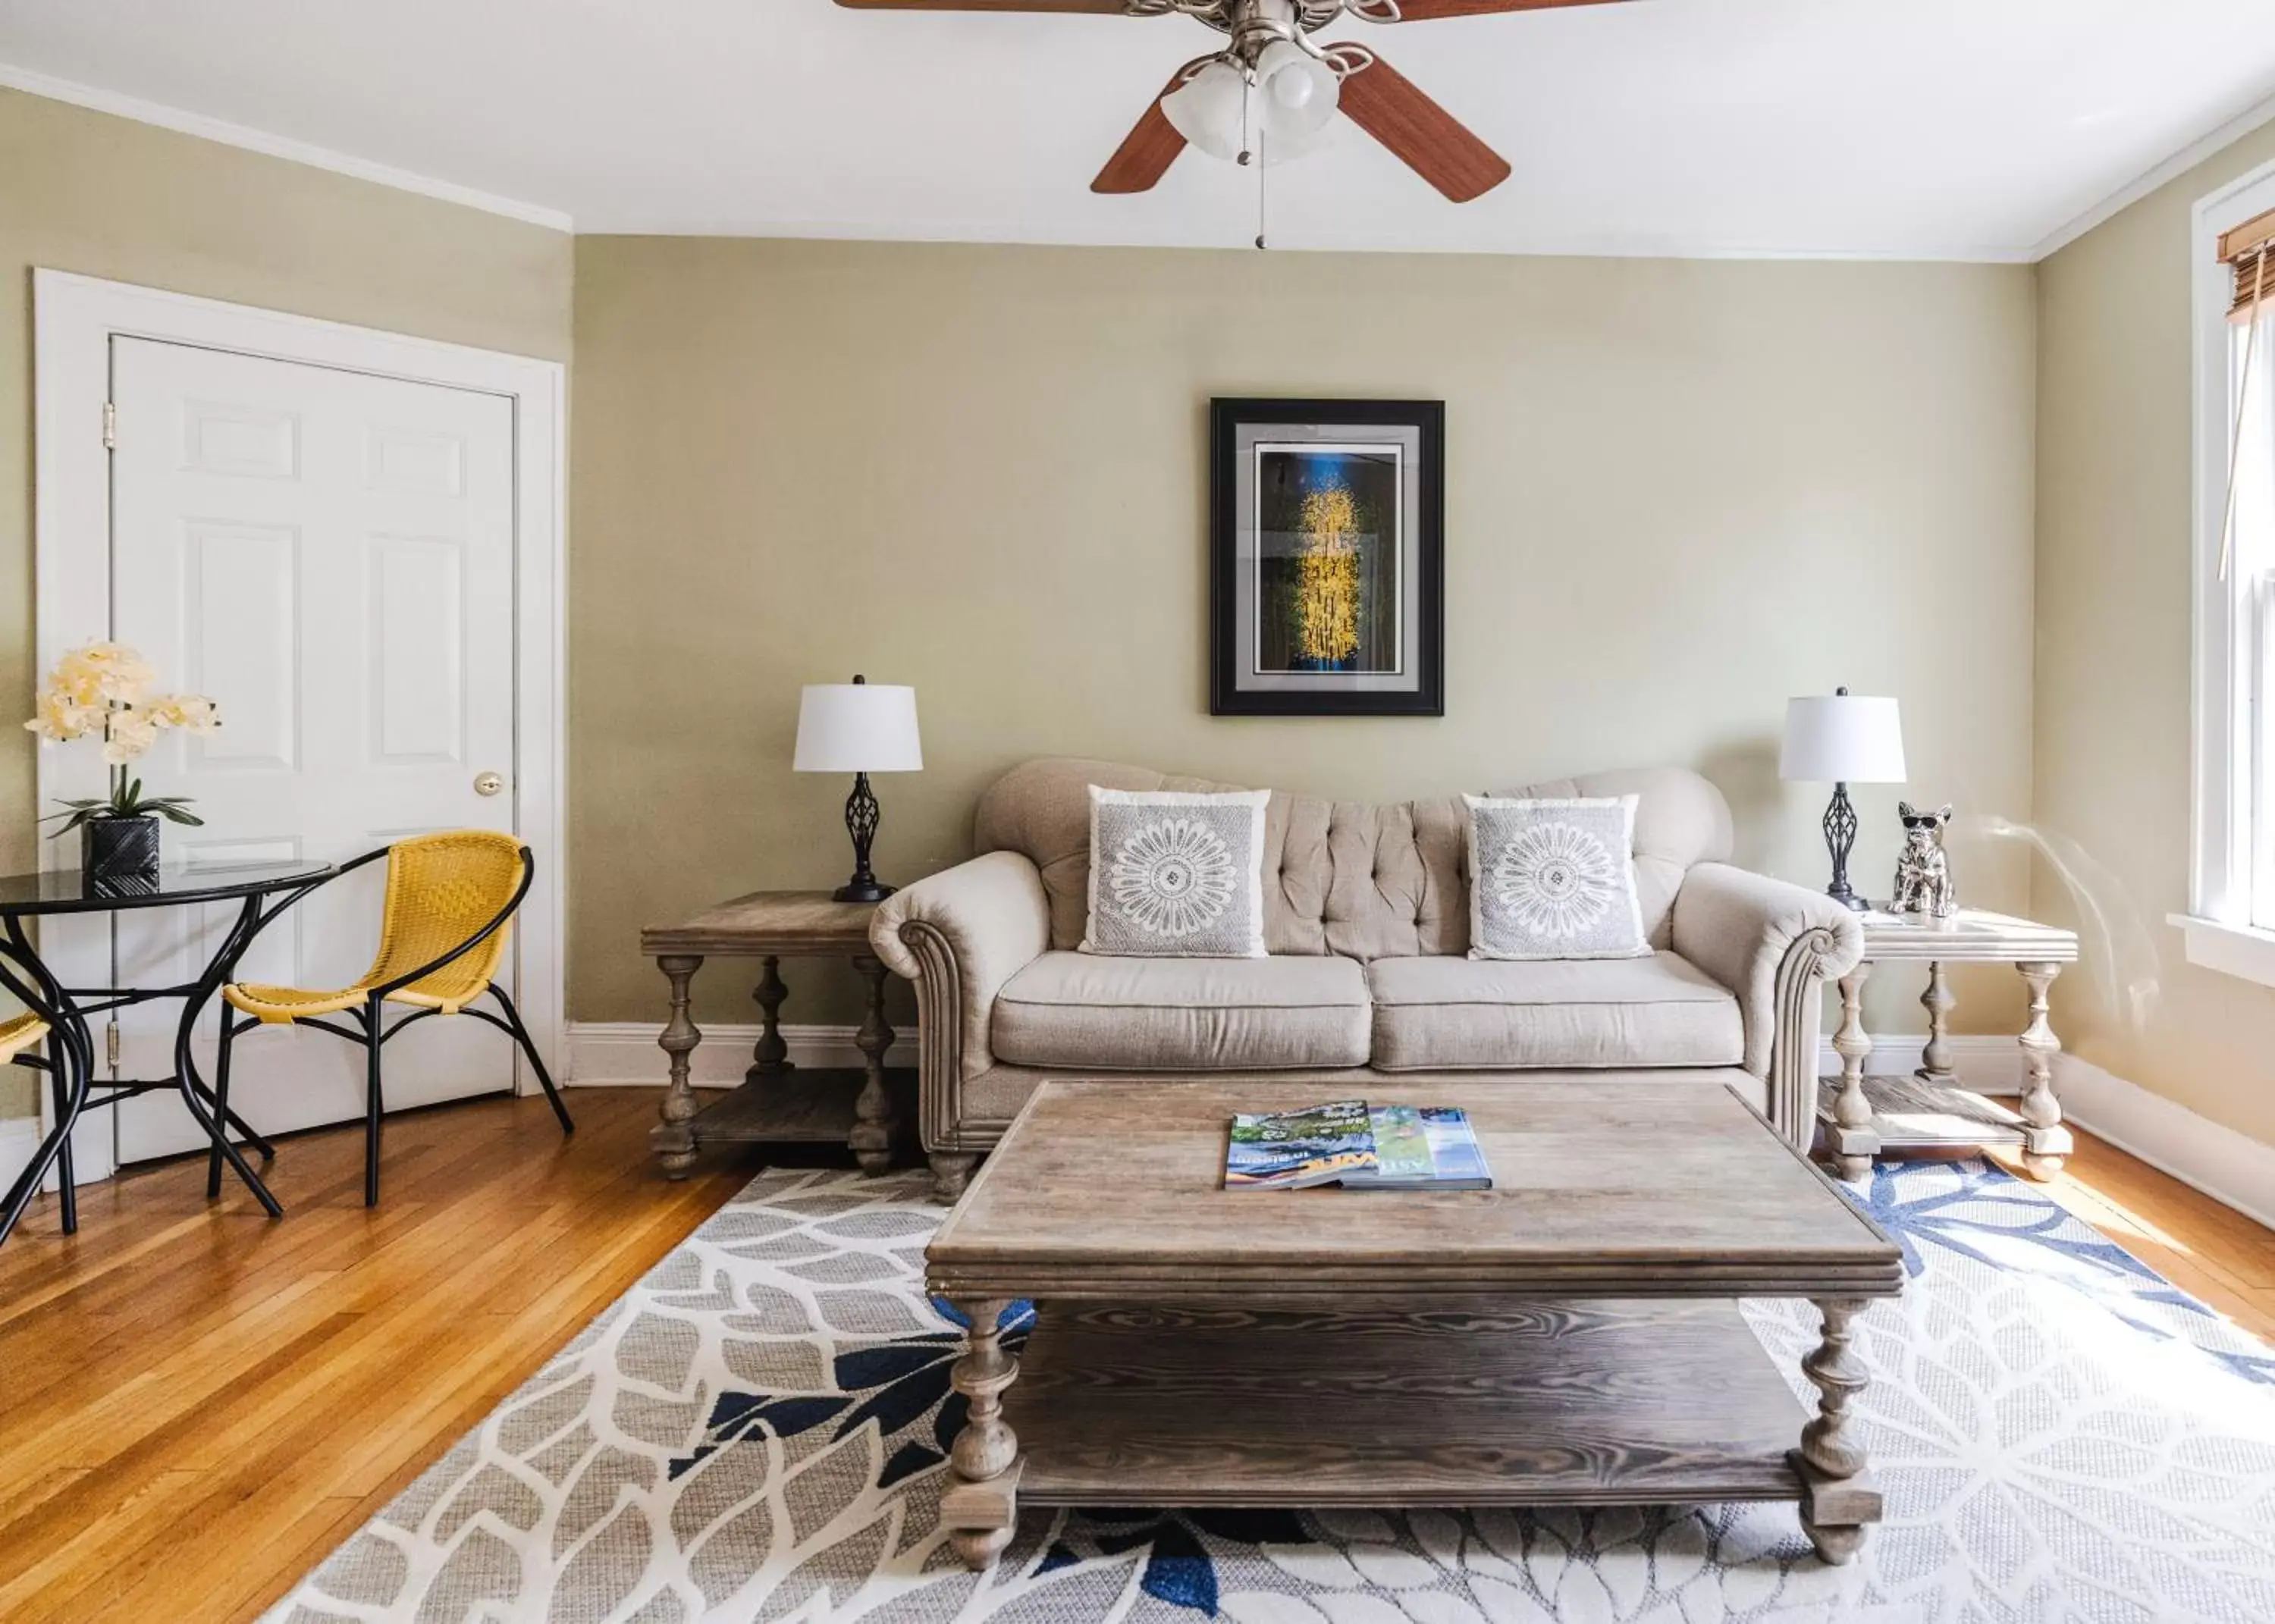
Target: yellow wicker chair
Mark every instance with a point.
(442, 936)
(20, 1032)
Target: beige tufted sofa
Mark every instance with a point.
(1366, 920)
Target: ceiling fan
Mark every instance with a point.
(1298, 87)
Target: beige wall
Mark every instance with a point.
(982, 470)
(1678, 492)
(2113, 776)
(85, 192)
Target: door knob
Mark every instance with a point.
(487, 784)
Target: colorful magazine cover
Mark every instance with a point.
(1423, 1147)
(1293, 1148)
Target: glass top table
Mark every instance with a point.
(260, 891)
(68, 891)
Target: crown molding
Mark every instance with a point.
(1293, 240)
(2172, 168)
(292, 151)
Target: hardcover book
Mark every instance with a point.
(1293, 1148)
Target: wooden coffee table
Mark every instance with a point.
(1571, 1337)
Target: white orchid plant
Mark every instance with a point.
(102, 691)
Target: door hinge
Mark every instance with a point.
(110, 1047)
(110, 426)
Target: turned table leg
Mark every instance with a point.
(951, 1171)
(981, 1508)
(1839, 1498)
(1854, 1141)
(1935, 1055)
(871, 1138)
(672, 1139)
(2047, 1143)
(769, 1055)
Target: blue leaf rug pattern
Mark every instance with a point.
(757, 1431)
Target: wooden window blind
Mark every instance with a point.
(2248, 252)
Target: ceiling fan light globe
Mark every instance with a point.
(1283, 147)
(1207, 109)
(1301, 91)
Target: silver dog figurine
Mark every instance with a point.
(1922, 871)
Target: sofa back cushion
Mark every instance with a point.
(1365, 880)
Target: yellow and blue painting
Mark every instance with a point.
(1329, 565)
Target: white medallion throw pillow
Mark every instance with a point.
(1553, 880)
(1177, 876)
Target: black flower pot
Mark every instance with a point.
(118, 850)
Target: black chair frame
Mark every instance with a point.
(370, 1034)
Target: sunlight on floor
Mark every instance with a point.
(2098, 1208)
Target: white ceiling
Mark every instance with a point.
(1968, 129)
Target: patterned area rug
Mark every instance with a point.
(756, 1432)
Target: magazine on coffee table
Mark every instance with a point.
(1359, 1146)
(1422, 1147)
(1290, 1150)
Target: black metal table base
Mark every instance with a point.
(70, 1062)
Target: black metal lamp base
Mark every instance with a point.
(862, 816)
(1841, 840)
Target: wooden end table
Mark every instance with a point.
(1862, 1116)
(776, 1102)
(1571, 1337)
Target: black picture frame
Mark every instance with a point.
(1238, 687)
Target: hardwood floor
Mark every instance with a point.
(196, 1404)
(2211, 1252)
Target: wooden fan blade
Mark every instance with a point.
(1426, 137)
(1147, 151)
(1114, 7)
(1430, 10)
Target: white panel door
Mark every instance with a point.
(330, 556)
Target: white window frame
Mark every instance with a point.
(74, 319)
(2218, 931)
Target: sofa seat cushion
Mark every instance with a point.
(1111, 1013)
(1460, 1013)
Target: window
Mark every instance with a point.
(2231, 922)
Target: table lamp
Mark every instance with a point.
(1842, 739)
(858, 728)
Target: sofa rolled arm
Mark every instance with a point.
(960, 935)
(1774, 944)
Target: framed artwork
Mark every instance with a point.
(1326, 557)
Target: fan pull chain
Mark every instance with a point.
(1260, 243)
(1251, 143)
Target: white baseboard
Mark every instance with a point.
(19, 1137)
(2233, 1169)
(611, 1053)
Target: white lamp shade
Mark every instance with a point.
(1842, 739)
(1206, 109)
(858, 728)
